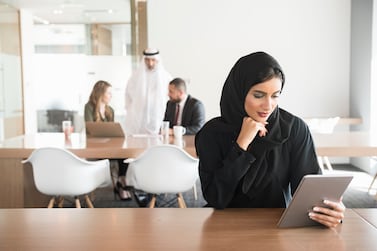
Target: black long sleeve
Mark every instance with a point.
(223, 165)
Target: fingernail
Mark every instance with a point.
(315, 209)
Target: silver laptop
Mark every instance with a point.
(312, 190)
(104, 129)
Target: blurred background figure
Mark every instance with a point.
(146, 95)
(183, 109)
(97, 109)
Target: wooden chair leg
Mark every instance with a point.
(92, 196)
(60, 201)
(180, 205)
(195, 192)
(320, 163)
(181, 201)
(88, 201)
(152, 203)
(77, 202)
(51, 203)
(371, 184)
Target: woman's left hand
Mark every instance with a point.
(331, 216)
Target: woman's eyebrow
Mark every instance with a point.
(259, 91)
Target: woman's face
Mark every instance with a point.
(106, 97)
(262, 99)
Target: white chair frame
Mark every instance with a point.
(58, 172)
(163, 169)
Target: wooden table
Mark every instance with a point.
(346, 144)
(174, 229)
(368, 214)
(17, 187)
(342, 120)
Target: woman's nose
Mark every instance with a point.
(267, 104)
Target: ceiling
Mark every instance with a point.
(74, 11)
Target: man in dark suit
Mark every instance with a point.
(182, 109)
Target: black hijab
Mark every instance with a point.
(248, 71)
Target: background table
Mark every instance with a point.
(174, 229)
(345, 144)
(117, 147)
(17, 187)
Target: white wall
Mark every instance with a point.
(361, 55)
(364, 72)
(201, 40)
(373, 105)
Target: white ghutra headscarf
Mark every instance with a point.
(146, 96)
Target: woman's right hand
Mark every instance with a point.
(249, 130)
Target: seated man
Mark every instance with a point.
(182, 109)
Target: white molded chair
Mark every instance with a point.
(163, 169)
(323, 125)
(58, 172)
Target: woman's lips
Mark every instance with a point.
(263, 114)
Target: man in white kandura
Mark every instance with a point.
(146, 95)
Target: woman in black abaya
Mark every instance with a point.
(256, 153)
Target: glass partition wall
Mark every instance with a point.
(11, 111)
(61, 62)
(69, 59)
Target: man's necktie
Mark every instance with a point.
(176, 115)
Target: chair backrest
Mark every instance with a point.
(322, 125)
(59, 172)
(163, 169)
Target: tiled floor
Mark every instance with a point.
(357, 195)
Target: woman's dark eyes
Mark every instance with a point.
(262, 95)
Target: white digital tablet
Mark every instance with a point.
(104, 129)
(311, 192)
